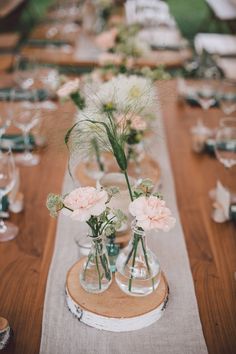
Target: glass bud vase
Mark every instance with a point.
(138, 270)
(135, 155)
(96, 275)
(94, 168)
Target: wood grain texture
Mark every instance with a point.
(24, 262)
(88, 55)
(113, 302)
(211, 247)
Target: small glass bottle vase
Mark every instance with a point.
(138, 270)
(96, 275)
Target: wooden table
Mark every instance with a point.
(86, 53)
(24, 262)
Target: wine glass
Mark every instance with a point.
(6, 114)
(227, 97)
(205, 95)
(26, 119)
(225, 143)
(8, 231)
(24, 72)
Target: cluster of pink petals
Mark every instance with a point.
(151, 213)
(68, 88)
(137, 122)
(106, 40)
(86, 202)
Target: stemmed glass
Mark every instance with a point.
(24, 78)
(5, 118)
(26, 119)
(227, 97)
(205, 95)
(225, 143)
(8, 231)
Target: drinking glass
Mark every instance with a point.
(225, 144)
(6, 114)
(26, 119)
(205, 95)
(24, 72)
(227, 97)
(8, 231)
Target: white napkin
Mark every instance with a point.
(213, 43)
(221, 197)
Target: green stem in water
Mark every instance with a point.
(86, 265)
(146, 261)
(97, 154)
(97, 266)
(136, 241)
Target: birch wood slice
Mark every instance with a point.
(149, 168)
(113, 310)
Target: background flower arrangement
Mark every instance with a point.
(127, 103)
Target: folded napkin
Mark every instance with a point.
(189, 93)
(163, 39)
(22, 95)
(213, 43)
(221, 203)
(16, 142)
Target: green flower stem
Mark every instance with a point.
(145, 255)
(146, 261)
(97, 266)
(128, 184)
(129, 256)
(105, 267)
(98, 155)
(135, 247)
(86, 265)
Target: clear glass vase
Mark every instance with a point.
(135, 155)
(138, 270)
(94, 168)
(96, 275)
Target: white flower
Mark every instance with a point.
(124, 94)
(135, 93)
(68, 88)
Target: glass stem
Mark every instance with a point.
(26, 142)
(3, 226)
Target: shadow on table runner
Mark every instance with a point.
(178, 331)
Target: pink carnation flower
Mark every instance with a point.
(68, 88)
(152, 213)
(136, 121)
(85, 202)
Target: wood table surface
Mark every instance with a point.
(86, 52)
(24, 262)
